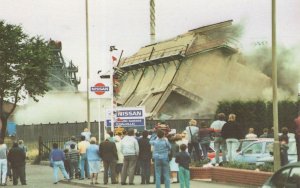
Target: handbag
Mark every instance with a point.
(194, 137)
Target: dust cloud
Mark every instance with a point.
(59, 107)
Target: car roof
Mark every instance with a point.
(293, 164)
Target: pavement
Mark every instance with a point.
(40, 176)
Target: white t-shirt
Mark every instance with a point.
(189, 130)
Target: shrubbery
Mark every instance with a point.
(259, 114)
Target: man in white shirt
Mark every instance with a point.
(130, 150)
(219, 142)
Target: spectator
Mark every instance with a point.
(219, 141)
(231, 132)
(173, 165)
(161, 148)
(16, 157)
(284, 146)
(183, 159)
(205, 138)
(119, 165)
(71, 141)
(271, 133)
(111, 137)
(251, 134)
(87, 134)
(130, 150)
(3, 161)
(84, 166)
(22, 146)
(145, 157)
(73, 156)
(57, 157)
(265, 133)
(67, 161)
(297, 135)
(93, 158)
(192, 131)
(109, 155)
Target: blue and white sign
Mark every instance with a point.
(127, 117)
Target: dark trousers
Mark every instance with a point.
(145, 170)
(109, 165)
(197, 151)
(19, 172)
(73, 167)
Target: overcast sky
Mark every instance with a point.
(125, 23)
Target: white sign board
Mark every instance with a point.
(100, 88)
(126, 117)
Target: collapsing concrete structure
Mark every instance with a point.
(186, 76)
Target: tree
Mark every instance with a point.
(24, 62)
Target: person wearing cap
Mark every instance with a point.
(16, 157)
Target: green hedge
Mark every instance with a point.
(259, 114)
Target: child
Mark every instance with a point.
(67, 161)
(73, 157)
(183, 159)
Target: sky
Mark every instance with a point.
(125, 24)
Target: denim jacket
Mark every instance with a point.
(161, 148)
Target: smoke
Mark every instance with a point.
(59, 107)
(288, 65)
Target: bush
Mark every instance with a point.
(266, 168)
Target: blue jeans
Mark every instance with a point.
(145, 170)
(59, 165)
(184, 177)
(84, 162)
(162, 165)
(220, 143)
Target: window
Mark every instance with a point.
(294, 178)
(254, 149)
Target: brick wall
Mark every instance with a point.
(231, 175)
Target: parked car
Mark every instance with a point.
(242, 144)
(287, 176)
(292, 155)
(255, 151)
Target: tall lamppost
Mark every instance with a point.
(275, 102)
(87, 63)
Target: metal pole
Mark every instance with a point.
(87, 64)
(152, 21)
(275, 102)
